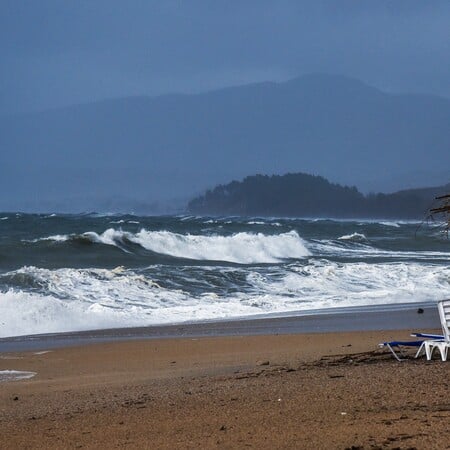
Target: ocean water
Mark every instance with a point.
(81, 272)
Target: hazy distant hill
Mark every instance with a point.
(173, 146)
(303, 195)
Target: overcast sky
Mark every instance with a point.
(59, 52)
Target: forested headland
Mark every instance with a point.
(304, 195)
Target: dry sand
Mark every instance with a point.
(289, 391)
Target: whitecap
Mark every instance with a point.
(55, 238)
(390, 224)
(353, 237)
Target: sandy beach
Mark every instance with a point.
(328, 390)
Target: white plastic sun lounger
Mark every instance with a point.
(441, 344)
(395, 347)
(434, 337)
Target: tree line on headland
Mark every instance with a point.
(304, 195)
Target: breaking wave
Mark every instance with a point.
(241, 248)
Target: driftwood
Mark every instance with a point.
(441, 213)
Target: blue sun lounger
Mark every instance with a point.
(427, 336)
(420, 344)
(430, 341)
(398, 344)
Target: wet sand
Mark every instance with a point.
(317, 390)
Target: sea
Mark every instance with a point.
(61, 273)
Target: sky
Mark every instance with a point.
(62, 52)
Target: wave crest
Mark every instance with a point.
(243, 248)
(240, 248)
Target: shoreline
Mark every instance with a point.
(399, 316)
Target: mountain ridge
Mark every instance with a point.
(172, 146)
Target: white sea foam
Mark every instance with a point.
(15, 375)
(96, 299)
(243, 248)
(4, 218)
(362, 249)
(353, 237)
(81, 299)
(323, 283)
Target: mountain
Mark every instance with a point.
(303, 195)
(174, 146)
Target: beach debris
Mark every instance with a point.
(223, 428)
(420, 311)
(263, 363)
(354, 358)
(266, 372)
(440, 213)
(343, 413)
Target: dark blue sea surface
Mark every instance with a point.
(91, 271)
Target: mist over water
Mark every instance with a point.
(78, 272)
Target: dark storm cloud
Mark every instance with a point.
(62, 52)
